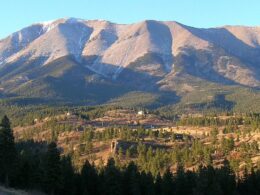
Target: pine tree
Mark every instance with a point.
(158, 184)
(120, 153)
(147, 183)
(23, 176)
(89, 179)
(226, 178)
(52, 178)
(8, 152)
(167, 183)
(128, 154)
(112, 179)
(130, 180)
(181, 181)
(68, 176)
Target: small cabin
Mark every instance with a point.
(140, 112)
(80, 128)
(182, 137)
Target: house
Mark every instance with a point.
(80, 128)
(182, 137)
(140, 112)
(178, 137)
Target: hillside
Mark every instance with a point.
(59, 150)
(90, 134)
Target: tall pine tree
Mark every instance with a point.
(52, 176)
(89, 180)
(8, 153)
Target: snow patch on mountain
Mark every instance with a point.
(47, 27)
(74, 20)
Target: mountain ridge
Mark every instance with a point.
(149, 56)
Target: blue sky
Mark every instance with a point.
(16, 14)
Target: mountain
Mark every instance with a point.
(167, 63)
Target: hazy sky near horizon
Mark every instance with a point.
(16, 14)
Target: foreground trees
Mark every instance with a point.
(52, 173)
(39, 166)
(8, 154)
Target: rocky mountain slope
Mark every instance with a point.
(96, 61)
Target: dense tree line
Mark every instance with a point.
(250, 119)
(39, 166)
(210, 121)
(24, 114)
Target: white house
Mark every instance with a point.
(140, 112)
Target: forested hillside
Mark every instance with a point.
(44, 167)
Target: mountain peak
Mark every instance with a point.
(150, 47)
